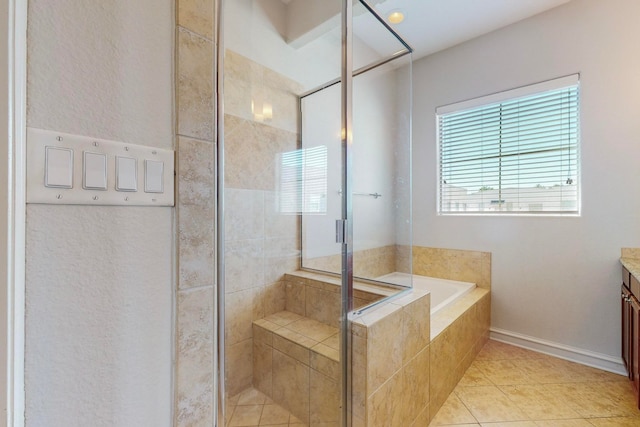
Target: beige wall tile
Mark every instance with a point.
(441, 366)
(371, 263)
(262, 367)
(239, 308)
(291, 349)
(195, 246)
(281, 256)
(291, 385)
(262, 334)
(332, 264)
(324, 396)
(197, 16)
(485, 278)
(403, 259)
(384, 407)
(273, 297)
(260, 87)
(323, 306)
(416, 386)
(195, 172)
(384, 350)
(251, 153)
(276, 223)
(239, 364)
(195, 86)
(454, 264)
(296, 297)
(359, 376)
(416, 327)
(244, 264)
(244, 214)
(194, 374)
(483, 314)
(323, 364)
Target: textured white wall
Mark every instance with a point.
(99, 279)
(553, 278)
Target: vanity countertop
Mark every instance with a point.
(631, 264)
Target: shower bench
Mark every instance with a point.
(296, 351)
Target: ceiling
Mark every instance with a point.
(429, 25)
(433, 25)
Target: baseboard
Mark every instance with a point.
(572, 354)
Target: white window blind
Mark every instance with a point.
(512, 152)
(303, 181)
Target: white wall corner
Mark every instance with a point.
(13, 37)
(572, 354)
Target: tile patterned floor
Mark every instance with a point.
(510, 386)
(252, 408)
(505, 386)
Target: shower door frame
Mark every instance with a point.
(346, 222)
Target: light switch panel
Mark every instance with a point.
(153, 172)
(82, 170)
(126, 174)
(58, 167)
(94, 171)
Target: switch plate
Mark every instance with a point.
(153, 172)
(84, 183)
(58, 167)
(126, 174)
(94, 171)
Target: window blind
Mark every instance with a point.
(303, 181)
(517, 155)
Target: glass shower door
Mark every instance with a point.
(279, 326)
(289, 144)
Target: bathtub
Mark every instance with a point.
(443, 291)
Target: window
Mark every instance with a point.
(512, 152)
(303, 181)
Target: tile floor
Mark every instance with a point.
(510, 386)
(252, 408)
(505, 386)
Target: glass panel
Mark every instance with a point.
(381, 159)
(285, 338)
(276, 324)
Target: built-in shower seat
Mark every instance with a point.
(296, 351)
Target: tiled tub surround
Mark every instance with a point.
(402, 379)
(405, 362)
(453, 264)
(367, 263)
(443, 263)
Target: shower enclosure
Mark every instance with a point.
(314, 198)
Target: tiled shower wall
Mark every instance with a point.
(261, 244)
(195, 212)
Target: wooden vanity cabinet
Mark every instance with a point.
(631, 329)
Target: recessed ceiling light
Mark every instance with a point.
(395, 16)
